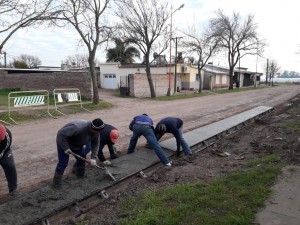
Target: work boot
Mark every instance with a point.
(188, 158)
(80, 171)
(13, 194)
(57, 180)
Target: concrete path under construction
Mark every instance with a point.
(47, 201)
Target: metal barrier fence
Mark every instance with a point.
(70, 95)
(19, 99)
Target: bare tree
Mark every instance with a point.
(77, 60)
(17, 14)
(272, 69)
(31, 61)
(88, 19)
(204, 44)
(144, 24)
(238, 38)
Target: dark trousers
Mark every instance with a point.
(8, 164)
(63, 159)
(100, 155)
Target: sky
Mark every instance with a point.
(277, 20)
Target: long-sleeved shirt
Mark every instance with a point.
(141, 119)
(105, 134)
(6, 143)
(76, 134)
(172, 126)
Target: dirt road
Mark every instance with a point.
(34, 142)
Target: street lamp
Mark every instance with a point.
(170, 65)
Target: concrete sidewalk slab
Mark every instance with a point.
(201, 134)
(283, 207)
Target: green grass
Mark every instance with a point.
(3, 95)
(232, 200)
(263, 161)
(295, 125)
(180, 96)
(225, 91)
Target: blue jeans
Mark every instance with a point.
(148, 133)
(185, 147)
(63, 159)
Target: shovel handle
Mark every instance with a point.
(99, 167)
(80, 157)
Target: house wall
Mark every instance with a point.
(189, 80)
(220, 81)
(115, 68)
(47, 81)
(139, 86)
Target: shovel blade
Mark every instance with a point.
(110, 174)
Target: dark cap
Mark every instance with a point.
(97, 124)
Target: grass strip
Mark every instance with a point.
(231, 200)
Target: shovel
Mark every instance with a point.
(102, 168)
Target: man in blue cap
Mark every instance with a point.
(174, 125)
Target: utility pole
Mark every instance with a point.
(170, 66)
(176, 58)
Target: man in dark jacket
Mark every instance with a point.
(71, 138)
(173, 125)
(7, 160)
(143, 125)
(109, 136)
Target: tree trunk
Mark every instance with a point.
(200, 79)
(231, 78)
(94, 80)
(149, 77)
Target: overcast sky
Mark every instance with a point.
(278, 23)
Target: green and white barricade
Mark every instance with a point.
(67, 96)
(20, 99)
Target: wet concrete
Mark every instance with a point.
(38, 204)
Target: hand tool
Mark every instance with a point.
(99, 167)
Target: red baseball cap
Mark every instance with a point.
(2, 132)
(114, 136)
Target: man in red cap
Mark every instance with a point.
(7, 160)
(109, 136)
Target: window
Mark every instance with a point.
(224, 79)
(217, 79)
(108, 76)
